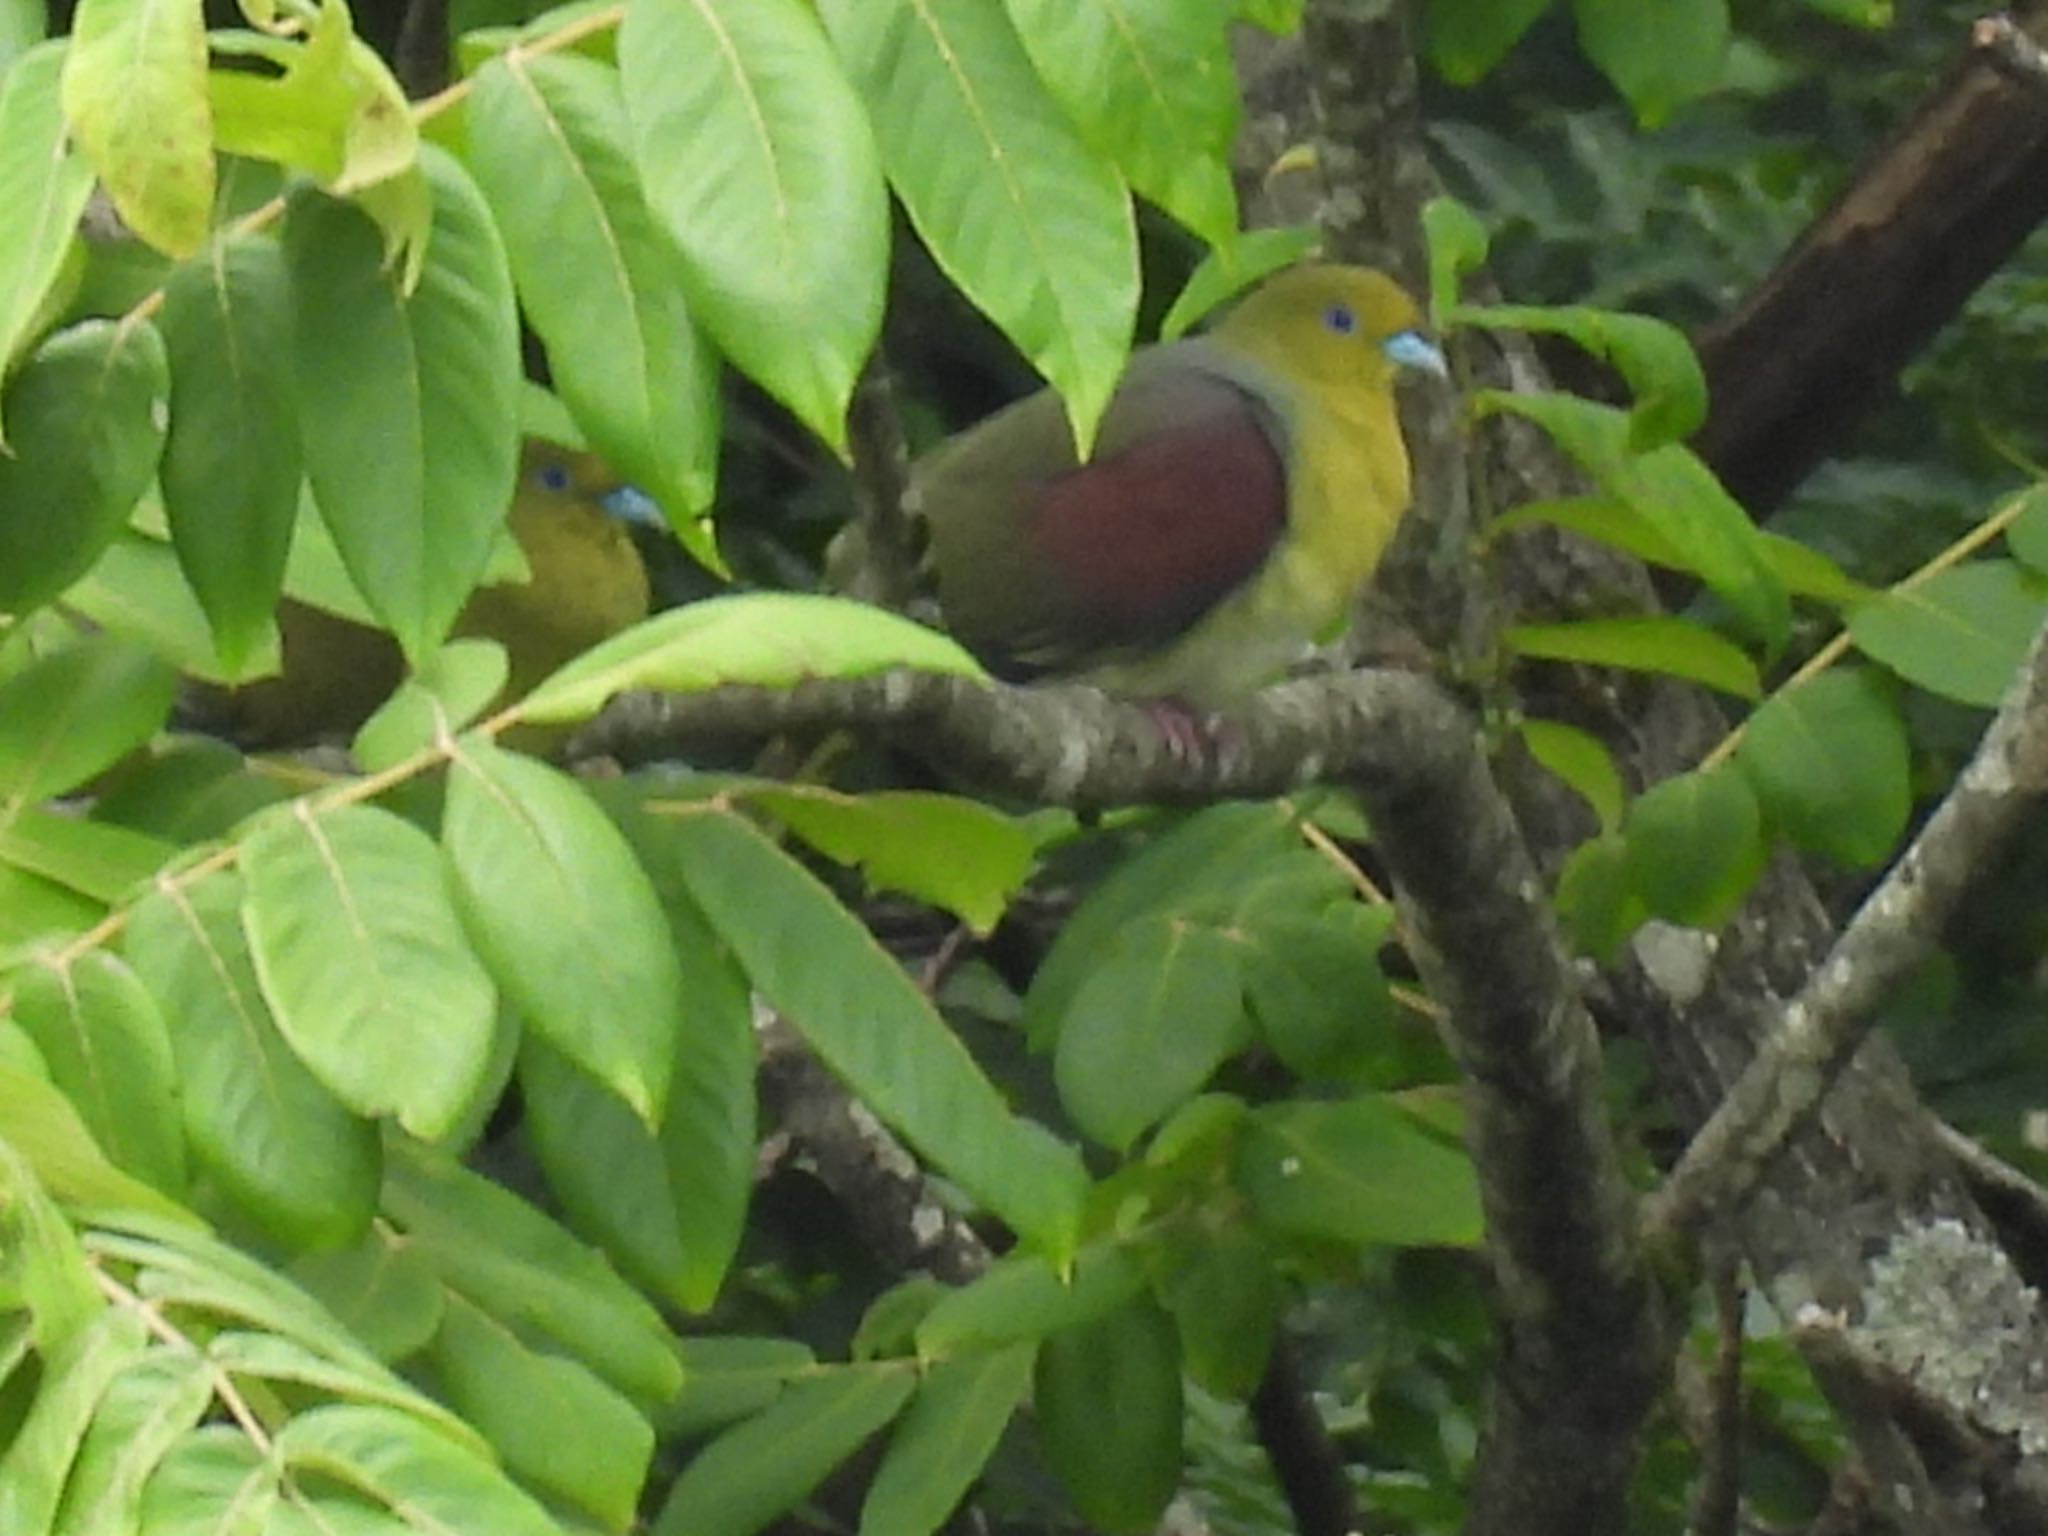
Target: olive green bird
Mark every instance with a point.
(569, 514)
(1243, 486)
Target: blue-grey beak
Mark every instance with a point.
(1412, 349)
(629, 504)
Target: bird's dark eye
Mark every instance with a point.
(553, 477)
(1339, 318)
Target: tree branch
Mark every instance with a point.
(1897, 926)
(1584, 1349)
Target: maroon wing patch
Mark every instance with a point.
(1165, 521)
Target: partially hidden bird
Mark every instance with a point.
(569, 515)
(1242, 488)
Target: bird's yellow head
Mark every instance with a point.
(1335, 328)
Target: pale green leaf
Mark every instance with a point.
(1582, 760)
(757, 156)
(957, 854)
(44, 186)
(399, 1461)
(364, 963)
(107, 1047)
(769, 639)
(1150, 85)
(566, 920)
(1032, 225)
(600, 278)
(135, 96)
(260, 1126)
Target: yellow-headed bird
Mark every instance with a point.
(1243, 486)
(587, 583)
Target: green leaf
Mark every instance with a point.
(231, 466)
(2027, 535)
(553, 1424)
(52, 1290)
(1467, 38)
(870, 1024)
(1359, 1171)
(346, 1373)
(768, 639)
(1807, 572)
(1316, 991)
(1602, 518)
(1226, 1296)
(1962, 633)
(32, 908)
(1155, 1018)
(75, 712)
(1151, 86)
(1671, 489)
(45, 1130)
(213, 1482)
(260, 1126)
(938, 1450)
(1280, 17)
(327, 105)
(521, 1267)
(1648, 643)
(1457, 246)
(1661, 67)
(726, 1377)
(146, 1410)
(751, 1474)
(1229, 270)
(669, 1206)
(444, 693)
(400, 1462)
(1695, 846)
(566, 919)
(135, 96)
(107, 1048)
(1225, 847)
(86, 417)
(386, 1295)
(600, 279)
(1028, 222)
(1023, 1297)
(44, 185)
(957, 854)
(35, 1466)
(1108, 1395)
(1596, 902)
(94, 858)
(1830, 763)
(364, 963)
(136, 591)
(431, 377)
(1653, 357)
(1582, 760)
(757, 156)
